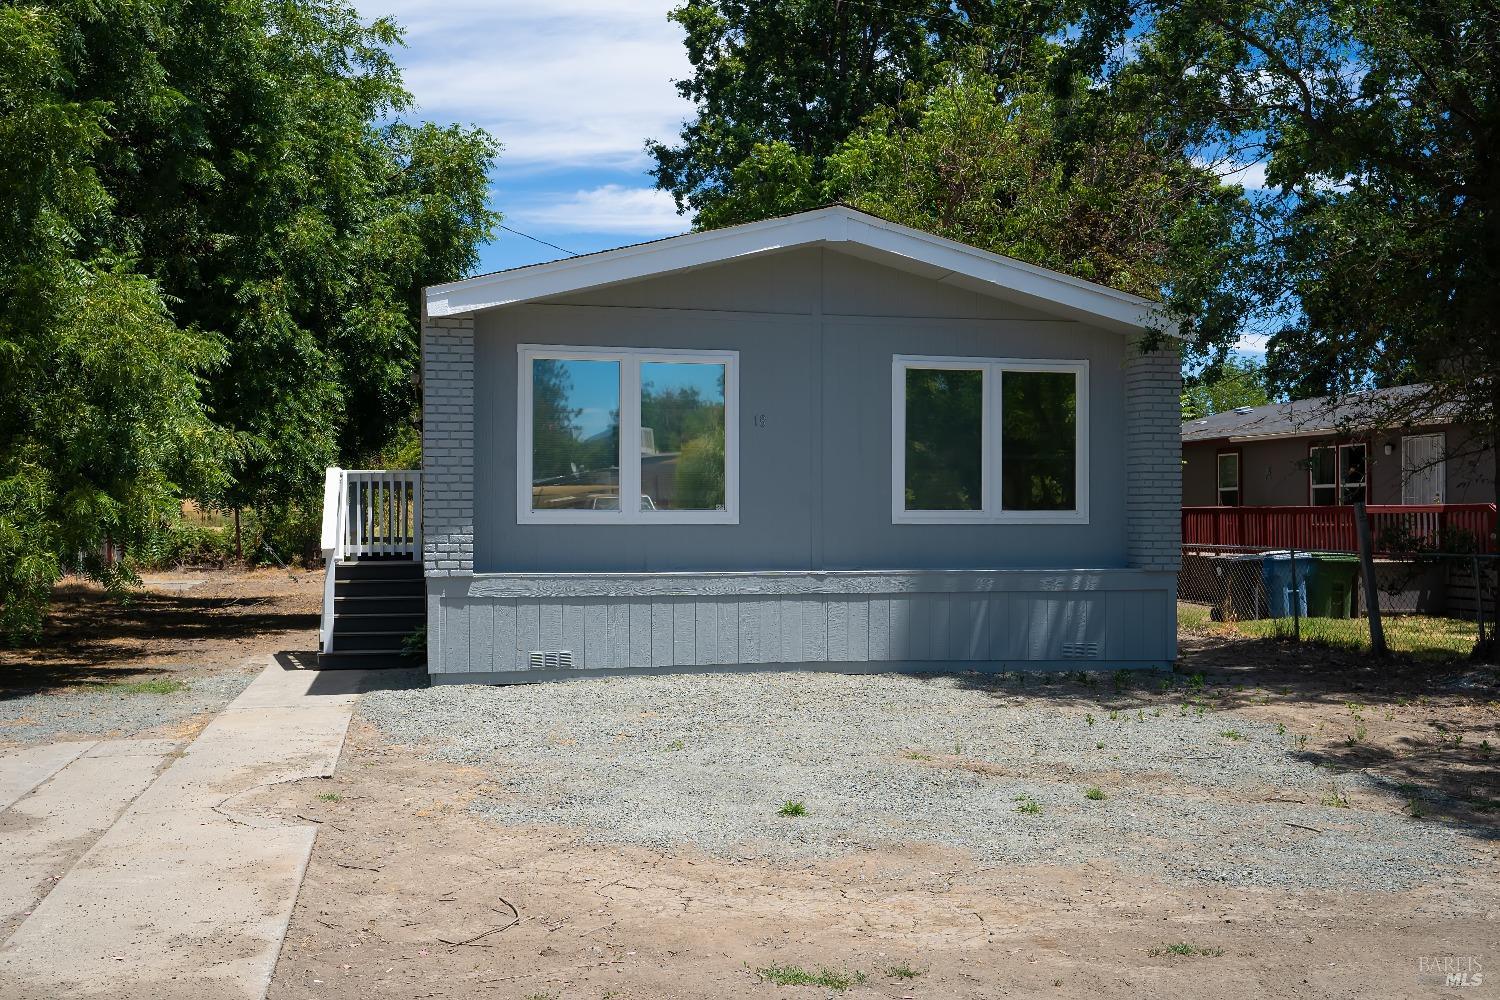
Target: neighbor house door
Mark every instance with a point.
(1423, 477)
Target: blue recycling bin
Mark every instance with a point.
(1283, 599)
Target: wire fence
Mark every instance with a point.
(1431, 604)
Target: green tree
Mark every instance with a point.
(801, 75)
(1375, 123)
(102, 425)
(1225, 385)
(1079, 183)
(266, 180)
(215, 226)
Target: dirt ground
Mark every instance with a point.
(206, 620)
(410, 894)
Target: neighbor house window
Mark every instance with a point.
(1229, 478)
(614, 436)
(1337, 474)
(980, 439)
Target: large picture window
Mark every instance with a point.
(598, 427)
(980, 439)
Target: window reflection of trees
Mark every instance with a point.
(569, 469)
(687, 432)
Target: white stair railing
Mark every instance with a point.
(383, 509)
(367, 512)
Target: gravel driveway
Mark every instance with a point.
(123, 709)
(995, 766)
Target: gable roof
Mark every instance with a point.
(838, 226)
(1307, 417)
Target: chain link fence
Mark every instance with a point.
(1432, 605)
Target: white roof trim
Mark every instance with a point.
(1029, 284)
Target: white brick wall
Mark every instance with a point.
(1153, 458)
(448, 445)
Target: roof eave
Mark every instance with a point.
(1032, 285)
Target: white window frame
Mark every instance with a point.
(1339, 484)
(990, 511)
(630, 360)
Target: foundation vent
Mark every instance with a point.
(551, 659)
(1080, 650)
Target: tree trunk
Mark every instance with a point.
(239, 549)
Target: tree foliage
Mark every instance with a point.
(959, 122)
(213, 229)
(1375, 123)
(1225, 385)
(803, 74)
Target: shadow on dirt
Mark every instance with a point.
(91, 640)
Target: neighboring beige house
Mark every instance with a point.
(1306, 454)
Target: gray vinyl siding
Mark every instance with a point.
(815, 574)
(815, 480)
(486, 631)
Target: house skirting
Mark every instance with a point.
(486, 628)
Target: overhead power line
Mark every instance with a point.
(544, 243)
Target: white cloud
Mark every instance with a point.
(569, 83)
(611, 208)
(1252, 343)
(1252, 176)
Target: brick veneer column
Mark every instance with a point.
(1153, 458)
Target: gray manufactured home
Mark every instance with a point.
(819, 441)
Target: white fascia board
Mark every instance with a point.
(1032, 285)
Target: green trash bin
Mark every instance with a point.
(1330, 589)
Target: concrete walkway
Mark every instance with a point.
(187, 893)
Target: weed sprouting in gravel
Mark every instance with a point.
(677, 745)
(1231, 734)
(792, 807)
(1089, 718)
(916, 755)
(1183, 948)
(795, 975)
(1098, 746)
(1335, 799)
(330, 797)
(1027, 805)
(1094, 794)
(1122, 680)
(903, 971)
(1414, 809)
(1114, 716)
(159, 685)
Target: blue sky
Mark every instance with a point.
(572, 88)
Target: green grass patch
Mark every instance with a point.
(1094, 794)
(1183, 948)
(1231, 734)
(795, 975)
(903, 971)
(792, 807)
(159, 685)
(1420, 636)
(1027, 805)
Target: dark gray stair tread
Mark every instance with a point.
(366, 659)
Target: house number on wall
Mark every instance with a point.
(759, 419)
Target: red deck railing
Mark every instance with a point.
(1332, 528)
